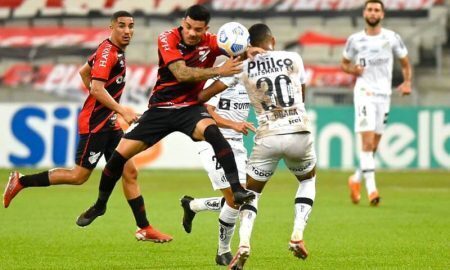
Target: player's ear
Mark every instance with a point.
(273, 43)
(206, 28)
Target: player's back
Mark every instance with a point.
(274, 84)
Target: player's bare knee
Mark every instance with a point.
(307, 175)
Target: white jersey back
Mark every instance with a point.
(233, 104)
(273, 82)
(376, 55)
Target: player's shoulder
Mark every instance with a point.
(388, 32)
(171, 34)
(357, 35)
(106, 47)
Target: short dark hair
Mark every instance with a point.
(198, 13)
(374, 2)
(120, 13)
(259, 33)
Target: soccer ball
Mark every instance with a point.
(233, 38)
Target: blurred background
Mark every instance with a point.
(44, 42)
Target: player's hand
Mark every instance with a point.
(129, 115)
(405, 88)
(230, 67)
(243, 127)
(358, 70)
(253, 51)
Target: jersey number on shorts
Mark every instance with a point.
(218, 166)
(276, 98)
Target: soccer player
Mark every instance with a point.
(230, 110)
(275, 83)
(369, 55)
(186, 56)
(99, 131)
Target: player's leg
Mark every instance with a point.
(145, 232)
(262, 163)
(150, 128)
(365, 122)
(89, 150)
(201, 127)
(300, 158)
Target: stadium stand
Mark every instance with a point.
(422, 24)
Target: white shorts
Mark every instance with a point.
(296, 149)
(371, 114)
(214, 169)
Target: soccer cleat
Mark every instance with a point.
(188, 215)
(298, 249)
(238, 261)
(243, 196)
(90, 215)
(374, 198)
(224, 259)
(153, 235)
(12, 188)
(355, 189)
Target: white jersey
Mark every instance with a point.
(273, 81)
(376, 55)
(232, 104)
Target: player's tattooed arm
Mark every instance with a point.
(184, 73)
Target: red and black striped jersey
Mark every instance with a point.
(108, 65)
(171, 48)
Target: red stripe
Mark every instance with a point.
(85, 115)
(85, 149)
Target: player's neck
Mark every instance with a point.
(117, 44)
(373, 31)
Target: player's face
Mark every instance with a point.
(193, 31)
(122, 31)
(373, 14)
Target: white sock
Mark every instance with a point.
(357, 176)
(247, 218)
(368, 170)
(203, 204)
(304, 200)
(227, 223)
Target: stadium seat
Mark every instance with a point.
(29, 8)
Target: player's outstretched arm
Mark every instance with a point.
(215, 88)
(85, 74)
(222, 122)
(405, 87)
(184, 73)
(101, 95)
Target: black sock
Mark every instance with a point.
(138, 207)
(35, 180)
(110, 175)
(224, 155)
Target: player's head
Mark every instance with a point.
(122, 28)
(373, 12)
(195, 24)
(261, 36)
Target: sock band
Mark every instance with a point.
(307, 201)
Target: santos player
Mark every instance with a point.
(369, 55)
(230, 110)
(275, 83)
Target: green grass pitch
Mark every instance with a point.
(410, 229)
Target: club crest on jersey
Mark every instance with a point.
(203, 55)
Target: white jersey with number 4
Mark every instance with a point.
(273, 81)
(376, 55)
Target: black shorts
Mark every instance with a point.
(156, 123)
(92, 146)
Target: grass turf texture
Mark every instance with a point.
(410, 229)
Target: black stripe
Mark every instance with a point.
(222, 202)
(226, 224)
(303, 200)
(369, 170)
(249, 207)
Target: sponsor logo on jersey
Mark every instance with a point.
(269, 65)
(241, 106)
(378, 61)
(203, 55)
(105, 54)
(224, 104)
(93, 157)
